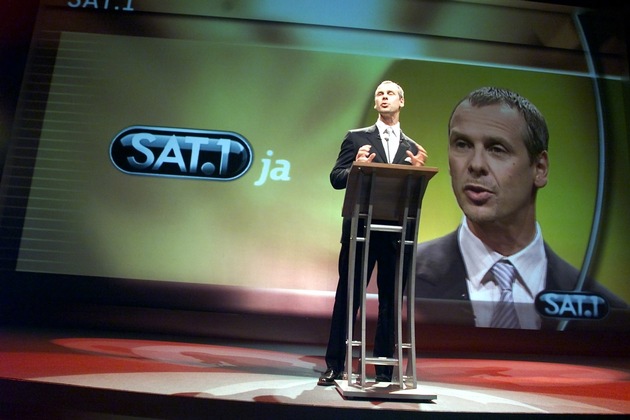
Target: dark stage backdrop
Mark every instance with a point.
(176, 154)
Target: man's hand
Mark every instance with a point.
(419, 158)
(363, 155)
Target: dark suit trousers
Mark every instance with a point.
(383, 253)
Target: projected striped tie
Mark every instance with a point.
(505, 313)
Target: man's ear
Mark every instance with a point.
(541, 168)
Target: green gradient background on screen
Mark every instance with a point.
(298, 105)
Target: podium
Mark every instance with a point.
(386, 198)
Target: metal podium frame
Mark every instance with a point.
(392, 194)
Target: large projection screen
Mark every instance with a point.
(275, 86)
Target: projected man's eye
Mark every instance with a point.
(156, 151)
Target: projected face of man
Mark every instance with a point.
(492, 175)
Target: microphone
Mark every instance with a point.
(386, 138)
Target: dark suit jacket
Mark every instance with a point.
(350, 146)
(441, 274)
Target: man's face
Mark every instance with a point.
(387, 100)
(491, 174)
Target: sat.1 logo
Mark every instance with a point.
(571, 305)
(181, 153)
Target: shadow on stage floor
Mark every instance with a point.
(84, 375)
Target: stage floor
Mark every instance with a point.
(84, 374)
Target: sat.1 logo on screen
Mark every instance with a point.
(181, 153)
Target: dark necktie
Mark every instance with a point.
(505, 313)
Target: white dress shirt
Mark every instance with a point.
(531, 267)
(390, 145)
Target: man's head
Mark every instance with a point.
(537, 136)
(497, 158)
(389, 97)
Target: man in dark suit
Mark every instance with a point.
(498, 160)
(384, 142)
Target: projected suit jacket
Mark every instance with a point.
(441, 274)
(350, 146)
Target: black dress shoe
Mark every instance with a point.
(328, 377)
(384, 373)
(383, 378)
